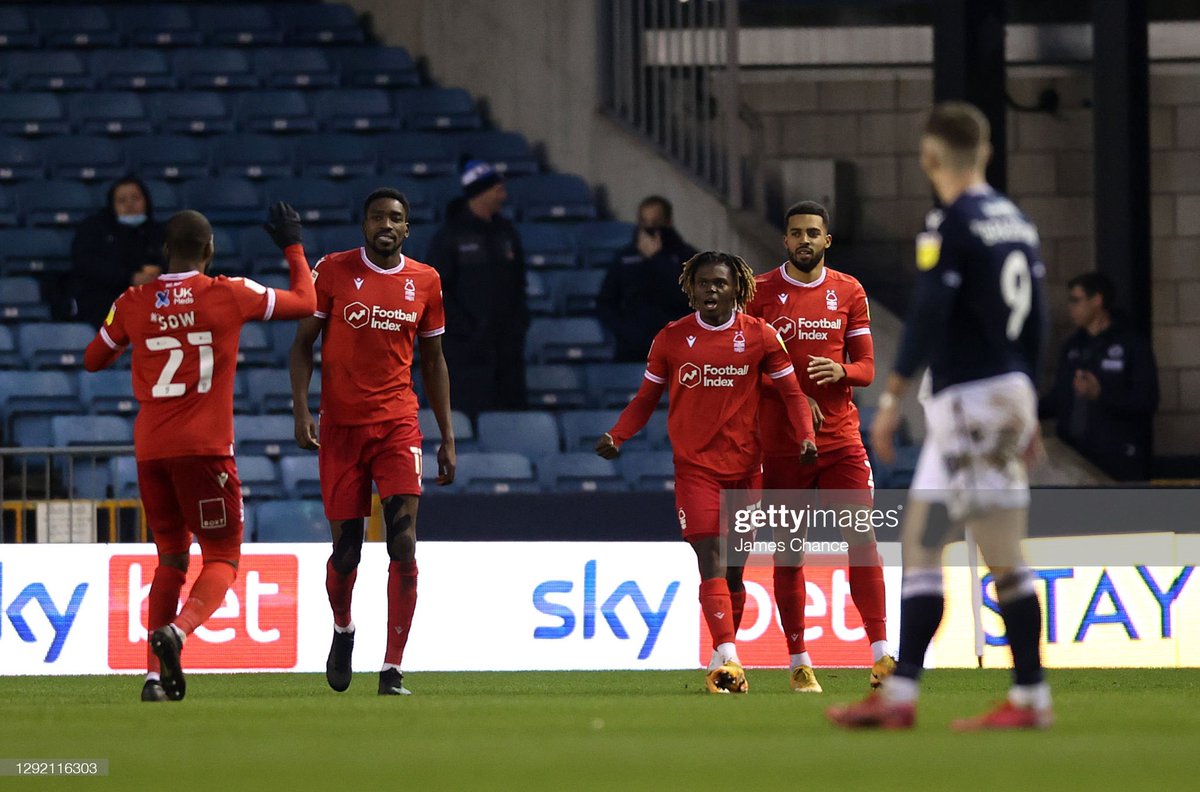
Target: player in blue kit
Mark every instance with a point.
(978, 321)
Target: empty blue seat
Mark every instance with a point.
(16, 28)
(271, 435)
(275, 111)
(537, 294)
(576, 290)
(271, 389)
(336, 239)
(552, 196)
(336, 156)
(310, 23)
(8, 209)
(495, 472)
(240, 25)
(167, 157)
(508, 152)
(192, 112)
(84, 158)
(75, 26)
(580, 428)
(158, 25)
(20, 299)
(123, 473)
(291, 521)
(421, 204)
(87, 478)
(227, 254)
(44, 392)
(206, 69)
(355, 110)
(32, 114)
(54, 203)
(284, 333)
(419, 237)
(579, 472)
(19, 160)
(98, 430)
(554, 386)
(9, 356)
(301, 478)
(317, 200)
(109, 113)
(418, 154)
(534, 434)
(614, 384)
(600, 240)
(54, 345)
(107, 392)
(294, 68)
(259, 477)
(648, 471)
(547, 245)
(251, 156)
(31, 431)
(132, 69)
(261, 253)
(378, 67)
(254, 347)
(224, 199)
(464, 431)
(565, 340)
(61, 70)
(439, 108)
(33, 250)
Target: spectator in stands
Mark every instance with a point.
(478, 254)
(118, 247)
(641, 291)
(1106, 384)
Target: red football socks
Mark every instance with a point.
(790, 597)
(207, 594)
(717, 606)
(738, 599)
(866, 589)
(340, 589)
(402, 601)
(162, 605)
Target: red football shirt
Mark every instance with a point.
(371, 316)
(184, 330)
(826, 318)
(715, 376)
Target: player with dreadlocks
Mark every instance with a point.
(714, 361)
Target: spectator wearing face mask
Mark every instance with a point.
(118, 247)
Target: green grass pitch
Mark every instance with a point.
(1117, 729)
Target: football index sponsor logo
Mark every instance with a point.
(359, 316)
(689, 375)
(25, 606)
(710, 376)
(805, 329)
(785, 326)
(356, 314)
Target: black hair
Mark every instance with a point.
(386, 192)
(658, 200)
(807, 208)
(1094, 283)
(188, 233)
(743, 275)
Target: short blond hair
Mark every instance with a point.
(962, 129)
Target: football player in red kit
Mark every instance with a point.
(714, 362)
(183, 328)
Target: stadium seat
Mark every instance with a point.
(259, 477)
(8, 209)
(34, 250)
(579, 472)
(10, 358)
(251, 156)
(576, 290)
(355, 110)
(54, 203)
(534, 434)
(39, 392)
(209, 69)
(132, 70)
(84, 158)
(158, 25)
(109, 113)
(444, 189)
(600, 240)
(16, 28)
(75, 26)
(464, 432)
(418, 154)
(163, 196)
(554, 386)
(107, 392)
(275, 111)
(422, 204)
(419, 237)
(20, 300)
(284, 333)
(291, 521)
(648, 471)
(323, 24)
(192, 112)
(439, 108)
(224, 200)
(271, 435)
(254, 348)
(19, 160)
(54, 344)
(32, 114)
(75, 430)
(227, 256)
(547, 245)
(260, 252)
(238, 25)
(580, 428)
(508, 152)
(538, 298)
(31, 431)
(294, 68)
(614, 384)
(552, 196)
(87, 479)
(335, 239)
(123, 474)
(335, 156)
(171, 157)
(378, 67)
(492, 473)
(301, 477)
(565, 340)
(271, 390)
(61, 70)
(317, 200)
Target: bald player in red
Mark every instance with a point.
(714, 362)
(822, 315)
(183, 328)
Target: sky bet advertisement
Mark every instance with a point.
(81, 609)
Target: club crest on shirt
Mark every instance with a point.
(739, 341)
(410, 291)
(831, 299)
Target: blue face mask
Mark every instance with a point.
(131, 220)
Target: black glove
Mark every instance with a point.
(283, 224)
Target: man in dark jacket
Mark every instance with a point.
(1106, 384)
(479, 256)
(118, 247)
(641, 293)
